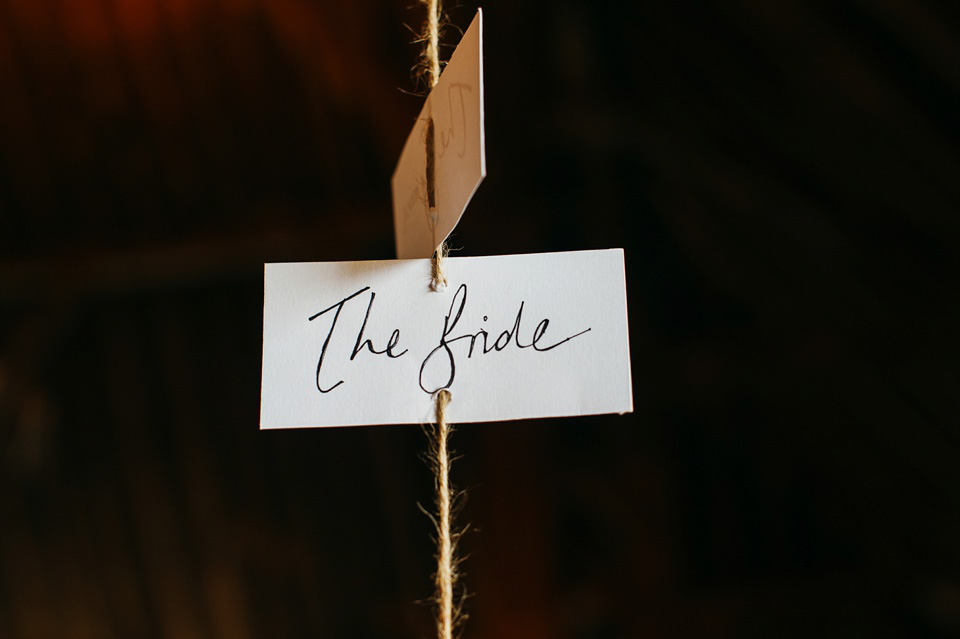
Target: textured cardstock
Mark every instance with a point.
(512, 337)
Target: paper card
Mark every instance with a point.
(429, 197)
(512, 337)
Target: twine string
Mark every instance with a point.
(432, 37)
(446, 565)
(431, 60)
(448, 615)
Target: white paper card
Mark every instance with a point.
(512, 337)
(455, 108)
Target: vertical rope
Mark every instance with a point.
(446, 566)
(448, 616)
(431, 56)
(432, 38)
(438, 275)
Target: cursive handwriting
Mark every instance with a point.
(442, 360)
(361, 342)
(481, 338)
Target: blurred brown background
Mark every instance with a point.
(784, 177)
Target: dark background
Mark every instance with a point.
(784, 178)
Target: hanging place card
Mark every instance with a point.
(514, 337)
(442, 162)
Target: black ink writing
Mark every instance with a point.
(391, 343)
(445, 353)
(361, 342)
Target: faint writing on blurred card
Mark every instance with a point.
(443, 160)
